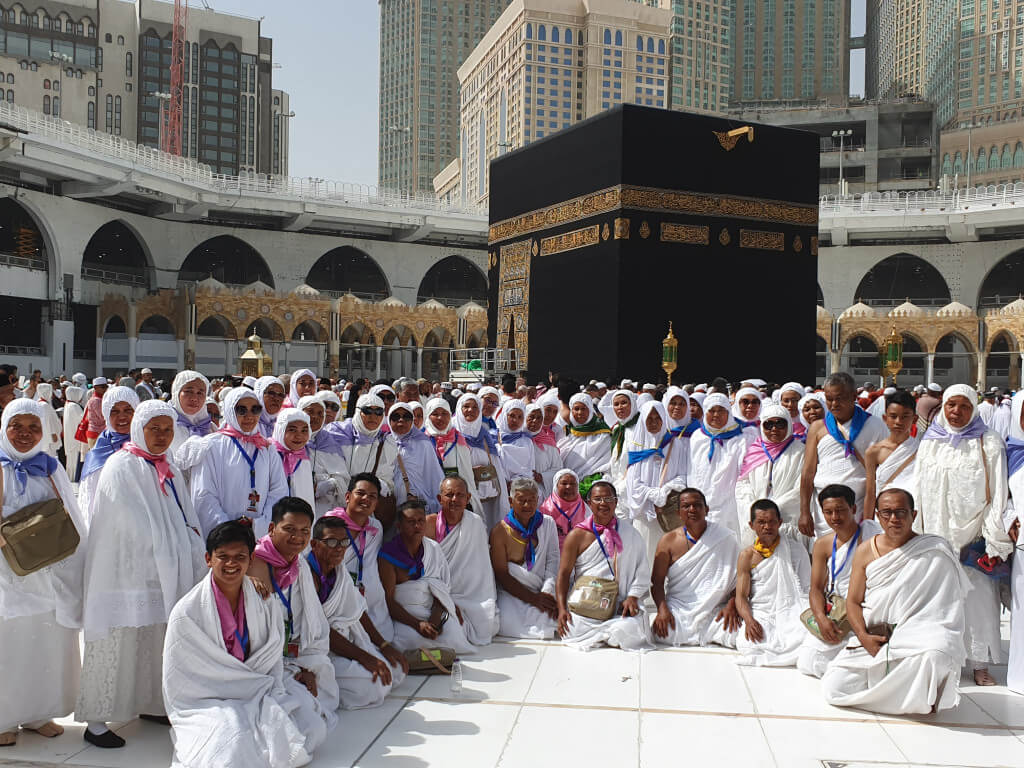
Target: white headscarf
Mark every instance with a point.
(717, 398)
(640, 437)
(44, 391)
(376, 389)
(285, 417)
(223, 392)
(819, 396)
(469, 428)
(776, 412)
(790, 386)
(228, 415)
(432, 405)
(145, 413)
(744, 391)
(366, 401)
(326, 395)
(518, 455)
(963, 390)
(116, 395)
(183, 378)
(633, 406)
(530, 408)
(698, 397)
(581, 397)
(74, 394)
(18, 407)
(293, 395)
(671, 392)
(304, 402)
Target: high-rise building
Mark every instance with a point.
(422, 45)
(990, 78)
(788, 49)
(100, 63)
(546, 64)
(700, 55)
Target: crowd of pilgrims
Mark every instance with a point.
(255, 559)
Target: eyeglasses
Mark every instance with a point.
(774, 424)
(333, 543)
(269, 393)
(241, 410)
(372, 411)
(604, 500)
(332, 406)
(400, 416)
(890, 514)
(386, 397)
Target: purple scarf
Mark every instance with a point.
(937, 432)
(396, 554)
(202, 429)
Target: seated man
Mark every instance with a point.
(907, 594)
(306, 633)
(223, 675)
(524, 557)
(831, 565)
(600, 547)
(417, 586)
(772, 579)
(698, 561)
(366, 665)
(463, 539)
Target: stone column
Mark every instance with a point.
(835, 361)
(982, 359)
(929, 369)
(99, 356)
(419, 362)
(133, 341)
(378, 361)
(229, 347)
(181, 354)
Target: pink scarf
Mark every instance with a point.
(254, 439)
(759, 452)
(451, 436)
(230, 622)
(441, 527)
(609, 533)
(290, 458)
(546, 436)
(159, 462)
(266, 551)
(353, 526)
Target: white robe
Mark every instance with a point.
(417, 597)
(778, 587)
(330, 479)
(1001, 420)
(51, 426)
(633, 574)
(422, 469)
(785, 480)
(1015, 665)
(518, 458)
(74, 451)
(549, 461)
(472, 579)
(493, 502)
(586, 454)
(816, 654)
(986, 410)
(835, 467)
(220, 484)
(362, 458)
(889, 475)
(920, 588)
(460, 461)
(300, 483)
(344, 608)
(952, 502)
(644, 482)
(717, 478)
(144, 554)
(368, 575)
(516, 618)
(40, 615)
(698, 584)
(230, 712)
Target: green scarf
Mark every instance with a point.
(595, 426)
(619, 434)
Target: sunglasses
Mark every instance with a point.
(400, 416)
(332, 407)
(241, 410)
(775, 424)
(372, 411)
(333, 543)
(386, 397)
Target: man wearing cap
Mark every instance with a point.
(987, 408)
(144, 388)
(928, 406)
(95, 423)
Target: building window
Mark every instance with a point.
(120, 39)
(92, 114)
(618, 37)
(56, 106)
(107, 38)
(33, 66)
(109, 117)
(117, 115)
(607, 37)
(92, 90)
(128, 87)
(128, 64)
(46, 105)
(46, 85)
(10, 96)
(10, 78)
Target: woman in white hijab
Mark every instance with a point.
(657, 466)
(327, 460)
(118, 406)
(291, 434)
(789, 396)
(812, 409)
(302, 383)
(144, 522)
(483, 451)
(332, 405)
(193, 421)
(587, 448)
(515, 445)
(418, 472)
(450, 447)
(74, 411)
(52, 429)
(239, 473)
(746, 410)
(716, 454)
(270, 392)
(40, 613)
(622, 411)
(545, 448)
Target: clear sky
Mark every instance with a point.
(329, 66)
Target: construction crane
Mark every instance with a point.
(171, 139)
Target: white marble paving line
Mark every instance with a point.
(387, 725)
(519, 711)
(760, 723)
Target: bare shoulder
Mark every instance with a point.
(430, 527)
(823, 546)
(746, 560)
(865, 553)
(674, 543)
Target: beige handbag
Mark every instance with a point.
(486, 473)
(594, 598)
(37, 535)
(668, 513)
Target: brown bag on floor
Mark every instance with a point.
(430, 661)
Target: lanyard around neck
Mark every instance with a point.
(251, 461)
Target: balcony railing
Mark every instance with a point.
(120, 277)
(15, 350)
(13, 260)
(992, 197)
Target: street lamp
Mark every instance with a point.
(165, 99)
(970, 149)
(400, 129)
(283, 140)
(841, 135)
(63, 58)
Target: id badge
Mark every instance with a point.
(291, 648)
(358, 584)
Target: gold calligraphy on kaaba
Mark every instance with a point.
(622, 229)
(767, 241)
(568, 241)
(514, 296)
(689, 234)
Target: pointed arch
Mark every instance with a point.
(454, 279)
(228, 259)
(349, 270)
(900, 277)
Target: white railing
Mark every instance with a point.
(141, 157)
(992, 197)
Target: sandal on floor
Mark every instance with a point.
(8, 738)
(982, 677)
(49, 730)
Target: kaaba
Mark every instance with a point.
(604, 233)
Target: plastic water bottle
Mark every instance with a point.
(456, 682)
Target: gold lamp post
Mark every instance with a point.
(892, 354)
(669, 353)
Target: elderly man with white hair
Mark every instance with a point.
(962, 491)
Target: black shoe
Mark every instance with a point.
(158, 719)
(105, 740)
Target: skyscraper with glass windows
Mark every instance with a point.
(700, 55)
(422, 45)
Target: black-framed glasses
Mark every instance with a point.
(241, 410)
(400, 416)
(331, 406)
(333, 543)
(372, 411)
(889, 514)
(604, 500)
(270, 393)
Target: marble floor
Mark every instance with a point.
(533, 704)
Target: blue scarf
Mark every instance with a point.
(688, 430)
(527, 534)
(107, 444)
(1014, 455)
(40, 465)
(721, 437)
(860, 417)
(483, 440)
(509, 438)
(635, 457)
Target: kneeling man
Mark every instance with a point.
(223, 676)
(417, 585)
(599, 547)
(906, 607)
(694, 574)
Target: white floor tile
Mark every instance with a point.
(693, 682)
(1001, 703)
(956, 746)
(707, 740)
(356, 730)
(149, 746)
(967, 712)
(32, 746)
(443, 735)
(604, 677)
(800, 743)
(497, 672)
(788, 692)
(572, 737)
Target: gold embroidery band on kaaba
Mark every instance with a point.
(768, 241)
(655, 200)
(685, 233)
(567, 241)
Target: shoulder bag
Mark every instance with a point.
(37, 535)
(668, 513)
(387, 506)
(593, 597)
(486, 474)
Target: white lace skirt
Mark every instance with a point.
(122, 675)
